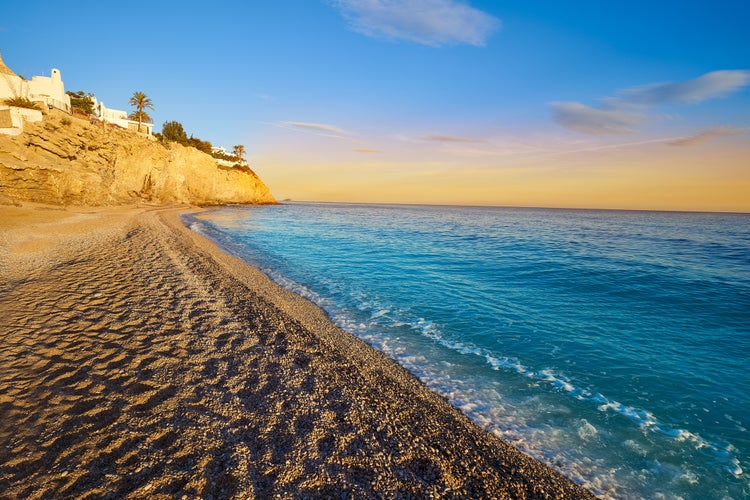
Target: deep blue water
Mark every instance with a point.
(613, 345)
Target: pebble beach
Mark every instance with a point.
(140, 361)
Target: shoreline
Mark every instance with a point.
(143, 360)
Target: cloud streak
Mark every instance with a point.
(708, 86)
(594, 121)
(707, 135)
(330, 132)
(628, 108)
(316, 127)
(448, 138)
(434, 23)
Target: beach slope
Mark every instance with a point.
(139, 361)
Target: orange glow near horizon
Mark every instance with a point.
(658, 176)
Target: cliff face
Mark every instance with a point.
(84, 164)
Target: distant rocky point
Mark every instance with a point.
(68, 160)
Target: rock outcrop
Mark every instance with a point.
(67, 160)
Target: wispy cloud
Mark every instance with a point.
(454, 144)
(708, 86)
(317, 127)
(595, 121)
(429, 22)
(628, 108)
(448, 138)
(330, 132)
(708, 135)
(471, 152)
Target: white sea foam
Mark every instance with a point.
(586, 431)
(380, 313)
(644, 418)
(635, 448)
(735, 468)
(683, 435)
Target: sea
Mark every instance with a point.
(612, 345)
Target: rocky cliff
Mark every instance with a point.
(66, 160)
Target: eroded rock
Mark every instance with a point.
(86, 164)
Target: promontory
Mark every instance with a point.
(65, 160)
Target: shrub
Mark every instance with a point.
(66, 121)
(173, 131)
(200, 145)
(21, 102)
(82, 102)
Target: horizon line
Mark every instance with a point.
(530, 207)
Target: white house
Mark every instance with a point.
(221, 150)
(48, 91)
(120, 118)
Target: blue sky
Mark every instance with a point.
(409, 101)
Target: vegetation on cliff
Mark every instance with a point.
(21, 102)
(81, 102)
(173, 131)
(239, 152)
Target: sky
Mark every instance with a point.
(586, 104)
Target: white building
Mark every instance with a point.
(221, 150)
(47, 91)
(119, 118)
(50, 90)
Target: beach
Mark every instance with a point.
(139, 360)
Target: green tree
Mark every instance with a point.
(239, 152)
(173, 131)
(82, 101)
(140, 101)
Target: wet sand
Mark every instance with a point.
(139, 361)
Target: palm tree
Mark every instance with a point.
(141, 102)
(140, 116)
(239, 151)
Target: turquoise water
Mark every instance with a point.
(612, 345)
